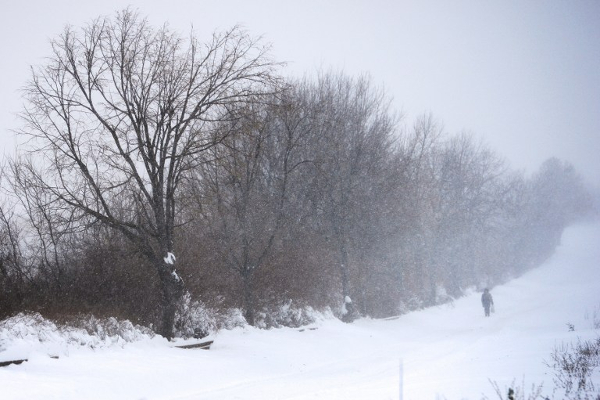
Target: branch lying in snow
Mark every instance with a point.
(16, 362)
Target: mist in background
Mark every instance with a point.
(524, 76)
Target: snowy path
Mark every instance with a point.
(448, 351)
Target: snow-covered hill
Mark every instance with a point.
(450, 351)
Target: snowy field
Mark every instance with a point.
(450, 351)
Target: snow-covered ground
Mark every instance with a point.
(451, 351)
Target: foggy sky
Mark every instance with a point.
(522, 75)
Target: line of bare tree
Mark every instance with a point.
(156, 166)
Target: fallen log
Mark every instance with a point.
(17, 362)
(203, 345)
(10, 362)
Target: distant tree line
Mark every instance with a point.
(156, 166)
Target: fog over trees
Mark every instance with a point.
(273, 193)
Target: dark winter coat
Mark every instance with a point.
(486, 299)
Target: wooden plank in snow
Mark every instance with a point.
(203, 345)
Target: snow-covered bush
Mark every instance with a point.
(287, 314)
(412, 304)
(441, 295)
(26, 325)
(30, 332)
(107, 328)
(195, 318)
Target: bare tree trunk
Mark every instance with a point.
(349, 306)
(172, 289)
(250, 306)
(343, 265)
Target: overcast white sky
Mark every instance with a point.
(523, 75)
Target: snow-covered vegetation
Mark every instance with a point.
(27, 333)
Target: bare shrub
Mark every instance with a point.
(517, 392)
(574, 366)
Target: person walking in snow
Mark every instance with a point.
(487, 301)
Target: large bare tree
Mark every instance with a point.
(245, 188)
(120, 113)
(353, 139)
